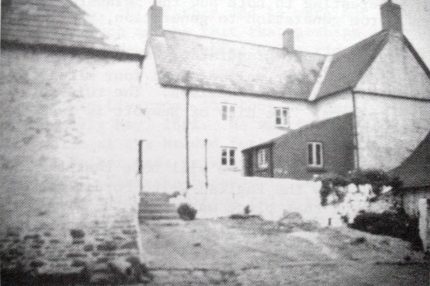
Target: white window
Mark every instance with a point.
(262, 159)
(315, 154)
(228, 156)
(227, 111)
(281, 116)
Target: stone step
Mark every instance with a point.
(161, 209)
(158, 216)
(155, 195)
(155, 204)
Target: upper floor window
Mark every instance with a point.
(315, 154)
(228, 156)
(262, 159)
(281, 116)
(228, 111)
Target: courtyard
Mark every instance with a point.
(257, 252)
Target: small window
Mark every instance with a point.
(262, 159)
(228, 156)
(228, 111)
(281, 116)
(315, 154)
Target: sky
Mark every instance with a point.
(322, 26)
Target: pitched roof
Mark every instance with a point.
(190, 61)
(50, 22)
(347, 117)
(348, 66)
(415, 170)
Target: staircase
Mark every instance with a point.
(156, 207)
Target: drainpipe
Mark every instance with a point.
(187, 135)
(206, 164)
(355, 132)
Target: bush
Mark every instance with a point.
(376, 178)
(395, 224)
(332, 184)
(187, 212)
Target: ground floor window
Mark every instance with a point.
(315, 154)
(228, 156)
(262, 159)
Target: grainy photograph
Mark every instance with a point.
(215, 142)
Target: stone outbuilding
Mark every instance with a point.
(69, 129)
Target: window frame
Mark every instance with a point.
(315, 154)
(229, 154)
(228, 111)
(283, 118)
(262, 162)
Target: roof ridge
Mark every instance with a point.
(241, 42)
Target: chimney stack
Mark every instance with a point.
(288, 40)
(391, 16)
(155, 20)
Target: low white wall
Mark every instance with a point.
(267, 197)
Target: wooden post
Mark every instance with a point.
(424, 224)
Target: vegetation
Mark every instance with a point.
(187, 212)
(334, 183)
(395, 224)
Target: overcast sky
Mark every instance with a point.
(323, 26)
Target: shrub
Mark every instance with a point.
(376, 178)
(395, 224)
(332, 184)
(187, 212)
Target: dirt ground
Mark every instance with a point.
(257, 252)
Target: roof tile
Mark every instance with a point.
(50, 22)
(191, 61)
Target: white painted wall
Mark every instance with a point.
(411, 198)
(332, 106)
(389, 129)
(164, 132)
(267, 197)
(253, 123)
(396, 72)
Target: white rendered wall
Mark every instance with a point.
(396, 72)
(334, 105)
(389, 129)
(164, 133)
(253, 123)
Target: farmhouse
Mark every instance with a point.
(214, 107)
(85, 126)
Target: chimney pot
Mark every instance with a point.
(391, 16)
(288, 40)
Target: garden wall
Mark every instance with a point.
(267, 197)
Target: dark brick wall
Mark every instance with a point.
(336, 135)
(252, 155)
